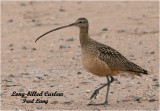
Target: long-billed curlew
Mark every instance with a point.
(100, 59)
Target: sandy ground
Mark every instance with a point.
(54, 62)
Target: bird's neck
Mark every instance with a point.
(84, 37)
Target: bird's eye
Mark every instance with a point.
(81, 22)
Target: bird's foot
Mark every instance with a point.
(95, 104)
(95, 93)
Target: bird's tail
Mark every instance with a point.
(137, 69)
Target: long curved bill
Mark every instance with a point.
(54, 30)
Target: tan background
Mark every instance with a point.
(132, 30)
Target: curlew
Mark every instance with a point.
(100, 59)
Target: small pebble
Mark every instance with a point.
(154, 79)
(158, 84)
(77, 54)
(11, 48)
(152, 100)
(61, 39)
(33, 20)
(118, 101)
(36, 80)
(140, 43)
(137, 98)
(70, 39)
(62, 46)
(143, 15)
(11, 75)
(51, 50)
(104, 29)
(129, 17)
(39, 77)
(88, 91)
(33, 49)
(83, 82)
(128, 85)
(25, 73)
(125, 100)
(138, 82)
(62, 10)
(23, 4)
(120, 31)
(79, 72)
(54, 102)
(34, 87)
(39, 107)
(45, 74)
(11, 45)
(8, 80)
(53, 85)
(11, 20)
(68, 102)
(152, 52)
(144, 32)
(76, 87)
(111, 92)
(71, 93)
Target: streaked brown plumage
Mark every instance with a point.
(100, 59)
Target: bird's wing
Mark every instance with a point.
(117, 61)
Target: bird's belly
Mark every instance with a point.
(95, 65)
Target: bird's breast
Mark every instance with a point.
(94, 65)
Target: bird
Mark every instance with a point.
(100, 59)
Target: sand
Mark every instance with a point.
(53, 64)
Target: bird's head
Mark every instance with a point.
(81, 23)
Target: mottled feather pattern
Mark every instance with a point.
(117, 61)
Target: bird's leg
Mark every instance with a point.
(97, 91)
(106, 100)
